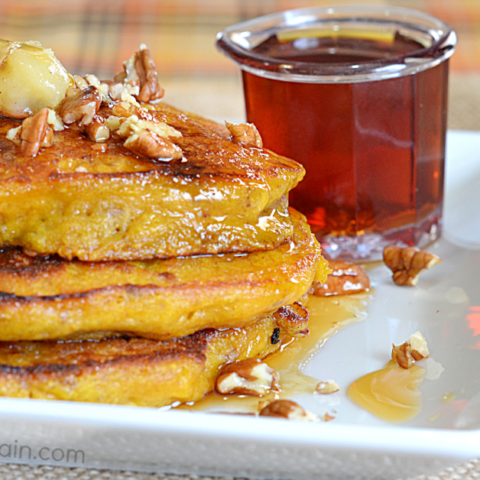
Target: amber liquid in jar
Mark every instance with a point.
(373, 151)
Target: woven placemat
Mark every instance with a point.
(466, 471)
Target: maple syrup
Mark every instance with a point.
(358, 95)
(328, 315)
(391, 393)
(374, 151)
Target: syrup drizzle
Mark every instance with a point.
(391, 393)
(328, 315)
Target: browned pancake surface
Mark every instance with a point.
(50, 297)
(138, 371)
(98, 202)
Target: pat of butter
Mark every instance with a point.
(31, 78)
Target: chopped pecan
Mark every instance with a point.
(292, 320)
(126, 96)
(72, 91)
(96, 130)
(287, 409)
(149, 144)
(55, 121)
(247, 377)
(81, 106)
(134, 125)
(102, 87)
(113, 122)
(407, 263)
(126, 110)
(115, 90)
(80, 82)
(149, 87)
(120, 77)
(245, 134)
(345, 279)
(419, 346)
(328, 418)
(326, 388)
(403, 355)
(410, 352)
(14, 135)
(36, 133)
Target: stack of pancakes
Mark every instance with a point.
(131, 281)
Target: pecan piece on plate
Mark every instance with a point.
(407, 263)
(326, 388)
(247, 377)
(410, 352)
(345, 279)
(287, 409)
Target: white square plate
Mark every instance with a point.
(445, 307)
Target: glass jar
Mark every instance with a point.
(358, 95)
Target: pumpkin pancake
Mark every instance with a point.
(138, 371)
(51, 297)
(100, 201)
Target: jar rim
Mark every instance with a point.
(235, 40)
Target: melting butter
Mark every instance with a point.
(391, 393)
(31, 78)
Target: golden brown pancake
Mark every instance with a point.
(80, 199)
(50, 297)
(139, 371)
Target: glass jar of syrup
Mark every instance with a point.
(358, 95)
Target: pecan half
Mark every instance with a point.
(245, 134)
(97, 131)
(345, 279)
(36, 133)
(81, 106)
(407, 263)
(287, 409)
(247, 377)
(149, 144)
(147, 73)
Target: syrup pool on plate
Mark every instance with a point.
(391, 393)
(328, 315)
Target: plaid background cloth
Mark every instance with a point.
(96, 36)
